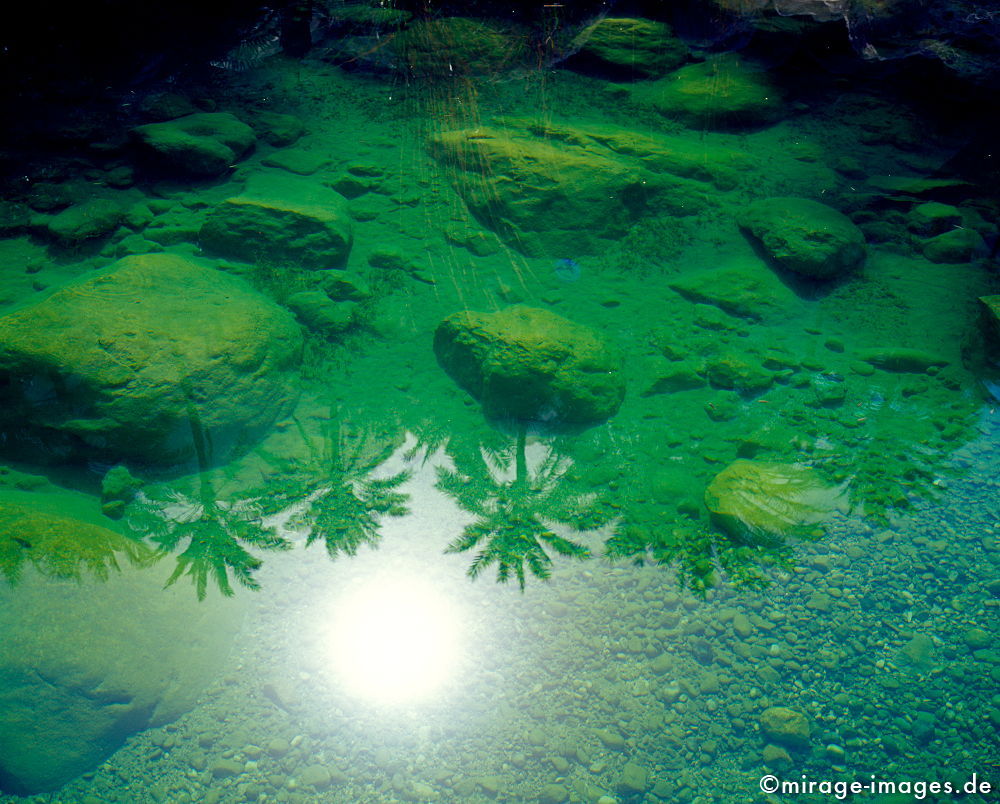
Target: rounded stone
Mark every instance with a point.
(785, 727)
(143, 361)
(529, 364)
(805, 237)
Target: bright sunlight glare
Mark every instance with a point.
(394, 639)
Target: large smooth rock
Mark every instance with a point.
(724, 92)
(956, 246)
(772, 501)
(785, 727)
(532, 365)
(990, 315)
(86, 662)
(805, 237)
(94, 218)
(683, 156)
(287, 220)
(742, 286)
(457, 47)
(203, 144)
(628, 48)
(543, 198)
(143, 361)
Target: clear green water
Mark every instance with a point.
(643, 670)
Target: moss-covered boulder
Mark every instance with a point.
(95, 218)
(933, 218)
(786, 727)
(990, 306)
(94, 649)
(710, 162)
(279, 129)
(753, 500)
(203, 144)
(743, 287)
(458, 47)
(805, 237)
(281, 219)
(543, 197)
(628, 48)
(955, 246)
(724, 92)
(531, 365)
(321, 314)
(148, 360)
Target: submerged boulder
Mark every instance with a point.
(771, 501)
(990, 315)
(283, 219)
(956, 246)
(725, 92)
(203, 144)
(94, 218)
(785, 726)
(543, 197)
(153, 359)
(742, 286)
(805, 237)
(90, 657)
(625, 48)
(457, 47)
(532, 365)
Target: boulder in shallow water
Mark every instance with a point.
(805, 237)
(283, 219)
(785, 726)
(94, 218)
(744, 286)
(752, 500)
(544, 197)
(143, 359)
(956, 246)
(532, 365)
(990, 307)
(628, 48)
(203, 144)
(724, 92)
(85, 663)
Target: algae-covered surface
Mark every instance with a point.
(657, 379)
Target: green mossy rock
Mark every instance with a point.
(204, 144)
(805, 237)
(785, 727)
(458, 47)
(732, 373)
(933, 218)
(283, 219)
(956, 246)
(541, 197)
(279, 129)
(752, 500)
(626, 48)
(634, 779)
(94, 218)
(744, 287)
(321, 314)
(722, 93)
(531, 365)
(88, 659)
(990, 306)
(689, 158)
(902, 359)
(128, 363)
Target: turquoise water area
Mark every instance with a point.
(469, 412)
